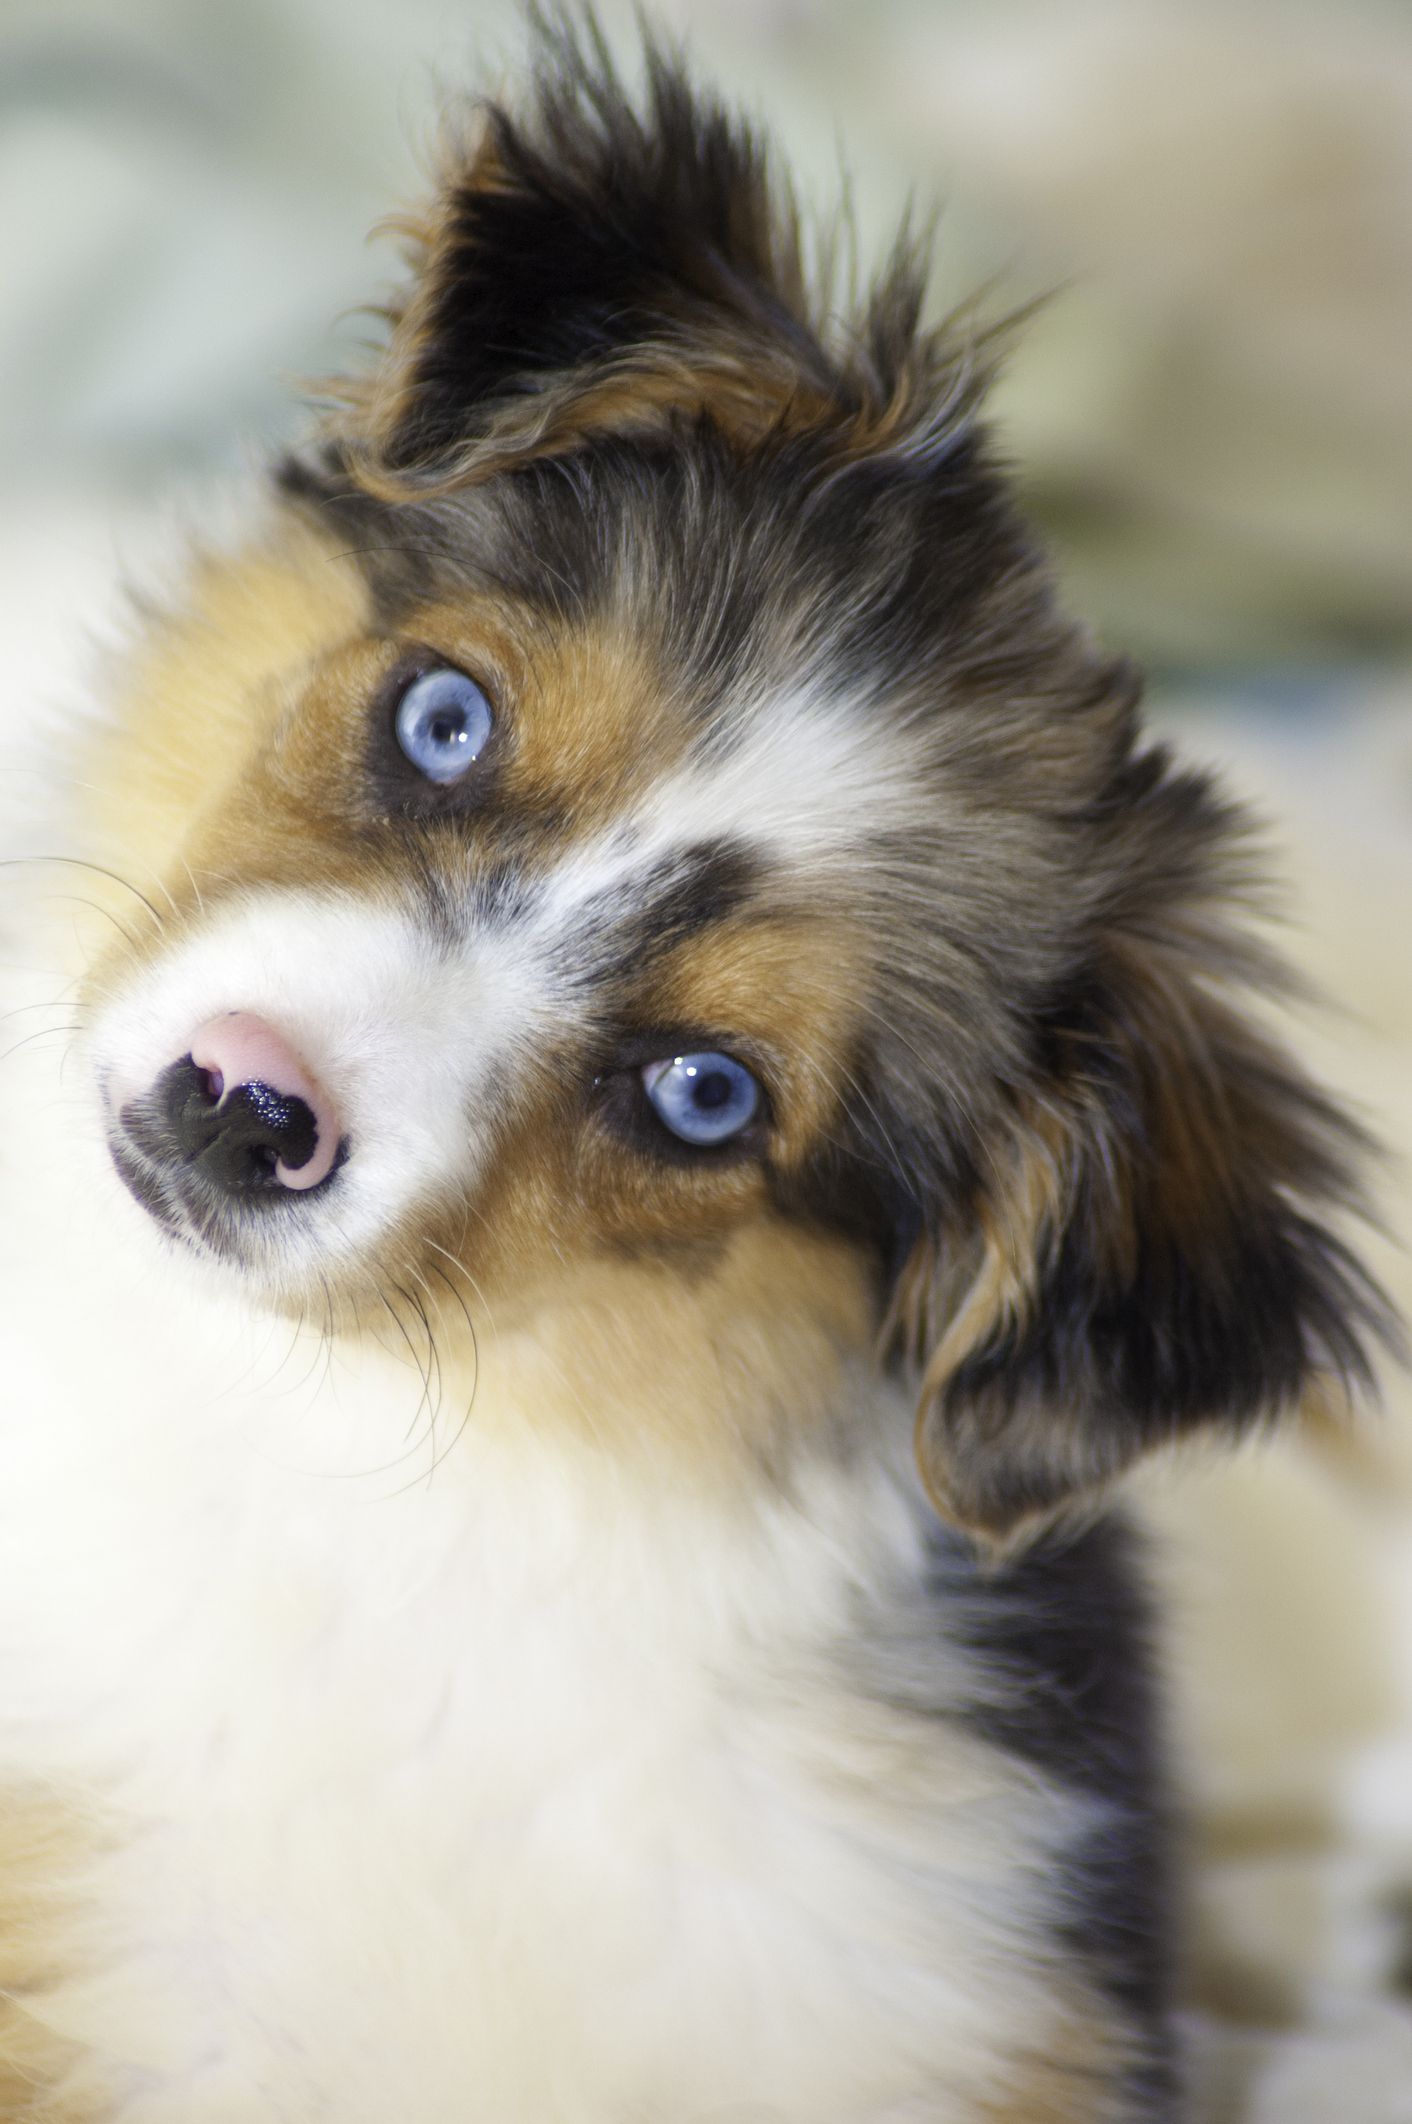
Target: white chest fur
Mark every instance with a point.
(524, 1793)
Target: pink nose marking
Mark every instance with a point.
(240, 1048)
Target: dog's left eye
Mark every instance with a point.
(443, 721)
(703, 1099)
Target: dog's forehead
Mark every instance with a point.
(646, 722)
(732, 580)
(730, 669)
(776, 824)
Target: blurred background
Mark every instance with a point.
(1212, 420)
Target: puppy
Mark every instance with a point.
(658, 910)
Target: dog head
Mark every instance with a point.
(639, 825)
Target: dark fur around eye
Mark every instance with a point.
(398, 787)
(621, 1104)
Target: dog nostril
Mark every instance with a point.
(279, 1126)
(241, 1138)
(272, 1121)
(240, 1113)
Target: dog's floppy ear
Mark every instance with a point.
(1148, 1251)
(588, 265)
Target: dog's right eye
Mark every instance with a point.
(442, 723)
(703, 1099)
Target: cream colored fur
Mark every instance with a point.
(452, 1798)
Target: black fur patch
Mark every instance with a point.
(1193, 1280)
(1065, 1631)
(584, 233)
(687, 894)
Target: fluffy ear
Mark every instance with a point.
(587, 264)
(599, 264)
(1150, 1252)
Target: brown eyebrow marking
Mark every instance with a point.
(591, 716)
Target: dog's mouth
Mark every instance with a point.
(144, 1182)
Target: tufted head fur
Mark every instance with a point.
(796, 757)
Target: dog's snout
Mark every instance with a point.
(240, 1112)
(253, 1113)
(246, 1137)
(243, 1109)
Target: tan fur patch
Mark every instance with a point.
(748, 395)
(589, 712)
(671, 1296)
(275, 752)
(941, 1316)
(201, 686)
(43, 1844)
(791, 985)
(1027, 1196)
(1072, 2078)
(723, 1348)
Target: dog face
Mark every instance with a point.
(638, 826)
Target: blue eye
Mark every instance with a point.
(703, 1099)
(443, 722)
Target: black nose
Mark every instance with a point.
(235, 1142)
